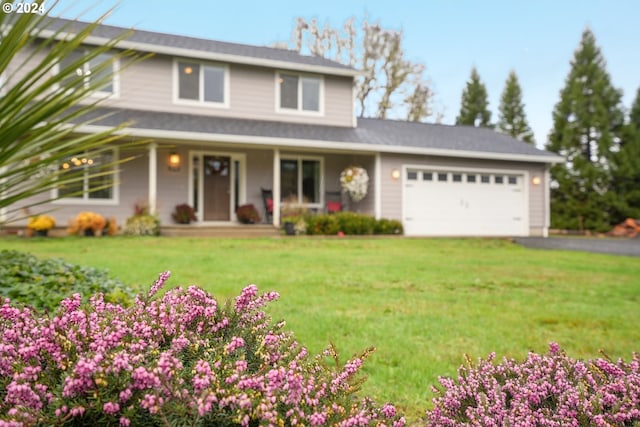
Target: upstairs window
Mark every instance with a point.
(203, 83)
(100, 68)
(299, 93)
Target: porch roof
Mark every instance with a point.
(370, 135)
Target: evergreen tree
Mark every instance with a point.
(634, 115)
(474, 110)
(512, 118)
(587, 128)
(625, 194)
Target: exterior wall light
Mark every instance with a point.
(174, 162)
(536, 180)
(395, 174)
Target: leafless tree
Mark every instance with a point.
(389, 84)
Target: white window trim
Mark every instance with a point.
(85, 200)
(200, 101)
(299, 110)
(299, 159)
(115, 78)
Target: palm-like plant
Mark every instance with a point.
(43, 107)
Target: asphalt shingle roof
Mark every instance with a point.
(200, 45)
(387, 134)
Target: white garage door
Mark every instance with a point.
(464, 203)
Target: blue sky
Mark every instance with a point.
(536, 38)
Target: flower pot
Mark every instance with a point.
(42, 233)
(290, 228)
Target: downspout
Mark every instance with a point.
(153, 178)
(547, 202)
(276, 187)
(377, 189)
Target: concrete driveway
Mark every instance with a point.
(619, 246)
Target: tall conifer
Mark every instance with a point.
(625, 194)
(587, 130)
(474, 108)
(512, 119)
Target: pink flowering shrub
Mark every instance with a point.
(544, 390)
(176, 360)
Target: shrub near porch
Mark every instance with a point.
(350, 223)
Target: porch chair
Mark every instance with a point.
(267, 199)
(333, 201)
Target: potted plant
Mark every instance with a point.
(88, 224)
(248, 214)
(142, 223)
(184, 214)
(41, 224)
(293, 213)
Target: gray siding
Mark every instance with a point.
(148, 85)
(18, 68)
(334, 164)
(537, 202)
(133, 188)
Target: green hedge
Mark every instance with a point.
(43, 283)
(351, 223)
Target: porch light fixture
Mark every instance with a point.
(536, 180)
(395, 174)
(174, 162)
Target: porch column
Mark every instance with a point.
(276, 187)
(377, 190)
(153, 178)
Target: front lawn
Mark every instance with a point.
(423, 303)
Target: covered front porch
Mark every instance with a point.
(215, 179)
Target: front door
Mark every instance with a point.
(217, 188)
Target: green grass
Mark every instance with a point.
(423, 303)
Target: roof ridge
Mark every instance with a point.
(208, 45)
(186, 36)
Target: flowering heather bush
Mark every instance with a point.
(179, 359)
(544, 390)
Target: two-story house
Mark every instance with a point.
(226, 120)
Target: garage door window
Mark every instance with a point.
(462, 177)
